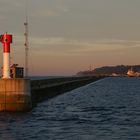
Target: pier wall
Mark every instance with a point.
(45, 89)
(22, 94)
(15, 95)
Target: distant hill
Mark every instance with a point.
(109, 70)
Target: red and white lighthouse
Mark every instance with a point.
(6, 40)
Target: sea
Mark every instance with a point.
(108, 109)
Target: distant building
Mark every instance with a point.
(15, 71)
(114, 74)
(132, 73)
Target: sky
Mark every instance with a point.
(67, 36)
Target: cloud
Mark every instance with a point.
(62, 44)
(48, 8)
(59, 41)
(120, 42)
(57, 46)
(6, 4)
(87, 43)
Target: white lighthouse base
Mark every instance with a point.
(6, 66)
(15, 95)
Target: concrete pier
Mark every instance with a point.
(22, 94)
(15, 95)
(42, 90)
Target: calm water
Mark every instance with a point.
(108, 109)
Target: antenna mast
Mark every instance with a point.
(26, 45)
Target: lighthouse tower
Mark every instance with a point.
(6, 40)
(15, 93)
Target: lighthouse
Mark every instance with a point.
(15, 91)
(6, 40)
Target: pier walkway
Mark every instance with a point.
(48, 88)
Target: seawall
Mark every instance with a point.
(15, 95)
(45, 89)
(23, 94)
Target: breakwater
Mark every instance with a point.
(15, 94)
(23, 94)
(48, 88)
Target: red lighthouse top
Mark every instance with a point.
(6, 40)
